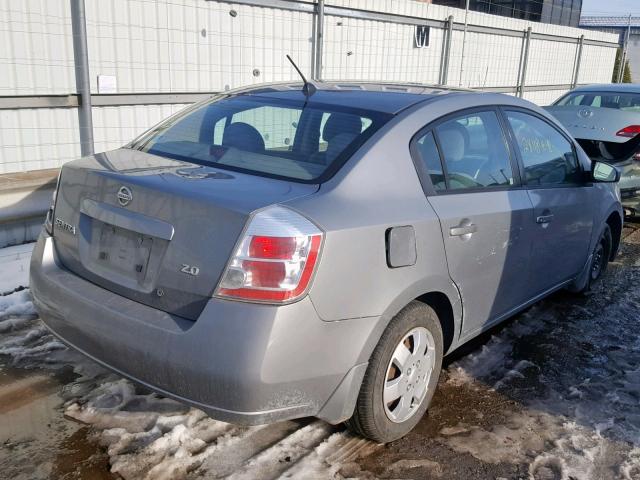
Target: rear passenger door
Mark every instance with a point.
(472, 182)
(562, 209)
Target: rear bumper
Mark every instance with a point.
(239, 362)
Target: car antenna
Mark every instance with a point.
(309, 88)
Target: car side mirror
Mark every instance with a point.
(604, 173)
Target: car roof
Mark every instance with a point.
(610, 87)
(388, 98)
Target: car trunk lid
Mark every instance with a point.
(156, 230)
(600, 124)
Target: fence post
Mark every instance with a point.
(576, 72)
(314, 41)
(83, 85)
(446, 52)
(623, 55)
(524, 59)
(318, 40)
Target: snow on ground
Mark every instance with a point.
(14, 270)
(554, 394)
(574, 364)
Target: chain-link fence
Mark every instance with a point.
(147, 59)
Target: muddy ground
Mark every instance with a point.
(552, 394)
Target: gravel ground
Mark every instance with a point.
(552, 394)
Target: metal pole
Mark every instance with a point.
(576, 71)
(524, 41)
(319, 39)
(314, 42)
(525, 60)
(464, 42)
(623, 56)
(83, 85)
(446, 51)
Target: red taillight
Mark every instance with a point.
(630, 131)
(275, 259)
(272, 247)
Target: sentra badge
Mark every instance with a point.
(67, 227)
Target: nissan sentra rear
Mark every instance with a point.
(181, 261)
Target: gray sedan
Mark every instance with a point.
(279, 252)
(605, 119)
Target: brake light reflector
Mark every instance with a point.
(275, 259)
(630, 131)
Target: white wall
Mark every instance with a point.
(115, 126)
(37, 138)
(198, 46)
(36, 56)
(357, 49)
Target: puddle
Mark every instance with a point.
(36, 440)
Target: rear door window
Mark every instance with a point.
(265, 136)
(471, 153)
(475, 152)
(430, 158)
(547, 156)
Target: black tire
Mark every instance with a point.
(600, 258)
(369, 418)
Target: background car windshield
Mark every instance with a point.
(618, 101)
(264, 136)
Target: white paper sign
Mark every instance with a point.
(107, 84)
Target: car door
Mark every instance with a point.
(473, 186)
(562, 200)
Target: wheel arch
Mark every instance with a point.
(439, 293)
(614, 220)
(444, 311)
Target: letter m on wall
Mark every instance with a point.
(422, 36)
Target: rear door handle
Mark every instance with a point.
(544, 218)
(463, 230)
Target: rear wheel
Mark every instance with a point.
(401, 377)
(600, 257)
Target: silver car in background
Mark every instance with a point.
(605, 119)
(276, 253)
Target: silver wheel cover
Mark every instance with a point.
(408, 374)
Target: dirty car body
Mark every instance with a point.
(605, 119)
(247, 255)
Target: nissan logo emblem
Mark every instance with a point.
(124, 196)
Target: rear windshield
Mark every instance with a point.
(265, 136)
(620, 101)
